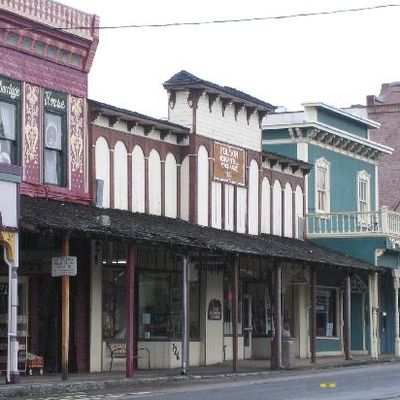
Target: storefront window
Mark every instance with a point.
(228, 306)
(160, 306)
(326, 310)
(114, 299)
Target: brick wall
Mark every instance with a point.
(385, 109)
(44, 73)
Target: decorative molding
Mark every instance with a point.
(249, 112)
(193, 97)
(131, 125)
(225, 102)
(261, 115)
(9, 240)
(238, 107)
(172, 99)
(31, 134)
(212, 98)
(112, 120)
(76, 139)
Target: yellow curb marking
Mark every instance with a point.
(325, 385)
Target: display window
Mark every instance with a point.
(326, 312)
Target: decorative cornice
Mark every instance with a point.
(225, 102)
(193, 97)
(212, 97)
(172, 99)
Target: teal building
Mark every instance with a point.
(342, 214)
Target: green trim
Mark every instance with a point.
(9, 178)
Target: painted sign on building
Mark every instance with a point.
(229, 164)
(63, 266)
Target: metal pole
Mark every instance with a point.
(185, 317)
(65, 315)
(276, 360)
(347, 316)
(396, 314)
(313, 315)
(235, 313)
(130, 312)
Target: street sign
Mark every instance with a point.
(63, 266)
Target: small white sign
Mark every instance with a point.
(63, 266)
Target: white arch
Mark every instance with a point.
(154, 183)
(277, 208)
(216, 198)
(253, 198)
(202, 186)
(298, 207)
(288, 213)
(265, 206)
(138, 180)
(171, 186)
(185, 184)
(120, 176)
(102, 154)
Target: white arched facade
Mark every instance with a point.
(298, 209)
(265, 206)
(277, 208)
(171, 194)
(120, 176)
(138, 180)
(253, 198)
(102, 155)
(202, 186)
(216, 198)
(184, 189)
(154, 183)
(288, 213)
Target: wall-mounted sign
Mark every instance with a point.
(214, 310)
(10, 89)
(63, 266)
(229, 164)
(55, 100)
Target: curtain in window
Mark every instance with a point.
(7, 121)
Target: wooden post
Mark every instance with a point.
(65, 315)
(235, 313)
(185, 316)
(276, 358)
(347, 316)
(130, 312)
(313, 315)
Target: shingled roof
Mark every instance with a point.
(184, 79)
(75, 218)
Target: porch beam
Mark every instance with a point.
(276, 357)
(235, 313)
(347, 317)
(313, 315)
(131, 342)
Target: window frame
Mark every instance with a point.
(13, 97)
(58, 108)
(322, 164)
(364, 177)
(337, 336)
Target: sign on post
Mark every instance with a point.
(63, 266)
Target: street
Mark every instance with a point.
(371, 382)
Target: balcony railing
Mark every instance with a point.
(354, 223)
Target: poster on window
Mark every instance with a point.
(229, 164)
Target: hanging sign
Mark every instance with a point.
(214, 310)
(63, 266)
(229, 164)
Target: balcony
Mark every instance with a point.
(352, 223)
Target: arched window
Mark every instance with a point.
(265, 206)
(288, 217)
(154, 183)
(138, 180)
(322, 186)
(202, 186)
(120, 176)
(102, 154)
(170, 186)
(277, 208)
(253, 198)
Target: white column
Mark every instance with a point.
(373, 314)
(96, 344)
(396, 275)
(12, 356)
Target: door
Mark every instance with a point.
(247, 326)
(357, 322)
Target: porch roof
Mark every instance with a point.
(42, 214)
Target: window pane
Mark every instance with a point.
(52, 167)
(326, 313)
(321, 178)
(7, 152)
(7, 120)
(53, 131)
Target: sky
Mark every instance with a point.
(338, 59)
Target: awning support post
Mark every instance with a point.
(235, 313)
(276, 357)
(65, 315)
(313, 315)
(347, 317)
(130, 312)
(185, 316)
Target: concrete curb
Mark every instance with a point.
(46, 389)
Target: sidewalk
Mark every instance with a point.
(52, 384)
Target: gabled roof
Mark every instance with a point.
(184, 79)
(43, 214)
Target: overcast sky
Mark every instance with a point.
(337, 59)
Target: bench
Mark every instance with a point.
(118, 350)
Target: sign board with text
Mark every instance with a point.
(229, 164)
(63, 266)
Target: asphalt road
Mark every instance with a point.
(371, 382)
